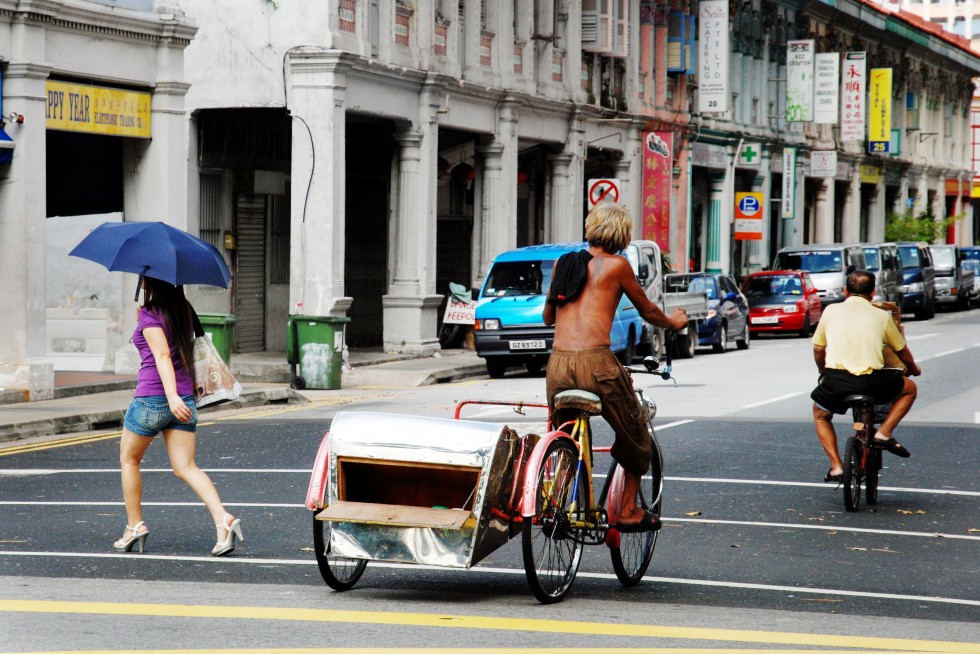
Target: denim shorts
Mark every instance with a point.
(149, 415)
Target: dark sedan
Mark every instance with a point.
(728, 310)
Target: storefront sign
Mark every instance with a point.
(748, 216)
(713, 49)
(823, 163)
(852, 97)
(657, 167)
(870, 174)
(880, 111)
(709, 156)
(97, 110)
(789, 183)
(799, 80)
(750, 154)
(826, 91)
(953, 187)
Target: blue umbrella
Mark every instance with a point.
(154, 249)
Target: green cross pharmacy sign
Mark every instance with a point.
(749, 155)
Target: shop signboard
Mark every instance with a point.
(97, 110)
(799, 80)
(880, 110)
(852, 97)
(748, 216)
(658, 165)
(826, 92)
(789, 183)
(713, 49)
(823, 163)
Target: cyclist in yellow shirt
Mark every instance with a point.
(847, 348)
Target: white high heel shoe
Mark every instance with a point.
(126, 544)
(234, 529)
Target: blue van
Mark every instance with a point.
(509, 330)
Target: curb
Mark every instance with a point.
(454, 374)
(112, 419)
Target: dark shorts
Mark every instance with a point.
(883, 385)
(150, 415)
(598, 371)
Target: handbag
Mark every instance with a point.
(213, 381)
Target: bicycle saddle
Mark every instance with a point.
(851, 400)
(579, 401)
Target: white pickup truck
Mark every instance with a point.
(647, 263)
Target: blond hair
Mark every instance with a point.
(609, 226)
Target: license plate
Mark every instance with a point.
(765, 320)
(536, 344)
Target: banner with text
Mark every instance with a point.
(658, 163)
(713, 48)
(880, 110)
(789, 183)
(97, 110)
(823, 163)
(826, 91)
(799, 80)
(852, 97)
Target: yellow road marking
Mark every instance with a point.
(456, 650)
(495, 623)
(62, 442)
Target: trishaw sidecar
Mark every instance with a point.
(413, 489)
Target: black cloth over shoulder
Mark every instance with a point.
(569, 277)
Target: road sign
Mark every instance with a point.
(603, 190)
(748, 216)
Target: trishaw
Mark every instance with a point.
(449, 491)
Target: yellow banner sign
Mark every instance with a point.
(869, 174)
(880, 111)
(97, 110)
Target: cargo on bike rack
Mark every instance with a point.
(413, 489)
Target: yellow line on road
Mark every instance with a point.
(494, 623)
(61, 442)
(457, 650)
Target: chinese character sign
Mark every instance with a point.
(799, 80)
(852, 87)
(658, 163)
(713, 51)
(826, 88)
(789, 182)
(879, 110)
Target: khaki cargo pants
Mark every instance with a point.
(598, 371)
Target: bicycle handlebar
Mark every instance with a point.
(651, 364)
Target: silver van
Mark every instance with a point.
(828, 266)
(883, 261)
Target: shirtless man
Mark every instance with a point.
(585, 290)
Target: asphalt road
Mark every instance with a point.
(752, 539)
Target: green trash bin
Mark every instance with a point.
(221, 328)
(316, 345)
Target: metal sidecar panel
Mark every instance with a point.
(487, 450)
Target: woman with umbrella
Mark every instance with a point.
(164, 402)
(165, 258)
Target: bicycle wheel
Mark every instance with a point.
(852, 474)
(552, 548)
(871, 476)
(632, 557)
(339, 572)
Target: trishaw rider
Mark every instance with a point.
(586, 288)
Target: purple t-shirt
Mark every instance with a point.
(148, 380)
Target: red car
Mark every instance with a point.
(782, 301)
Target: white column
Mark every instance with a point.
(851, 232)
(410, 305)
(497, 173)
(823, 214)
(877, 212)
(563, 224)
(317, 95)
(23, 242)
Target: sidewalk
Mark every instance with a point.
(91, 401)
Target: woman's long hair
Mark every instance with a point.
(176, 310)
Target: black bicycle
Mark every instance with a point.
(862, 454)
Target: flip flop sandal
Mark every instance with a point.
(893, 446)
(649, 522)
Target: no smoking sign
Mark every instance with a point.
(603, 190)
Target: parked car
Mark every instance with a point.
(509, 329)
(883, 261)
(728, 310)
(954, 283)
(970, 252)
(973, 265)
(782, 301)
(828, 266)
(918, 279)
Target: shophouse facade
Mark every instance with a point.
(93, 123)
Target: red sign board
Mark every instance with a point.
(658, 164)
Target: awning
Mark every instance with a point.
(6, 148)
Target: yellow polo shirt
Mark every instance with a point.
(854, 333)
